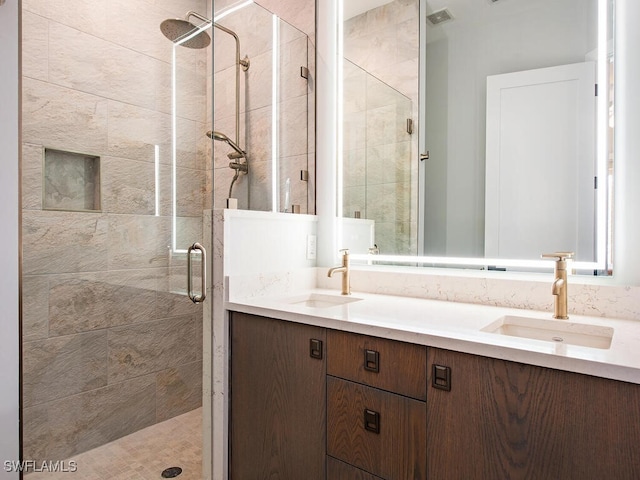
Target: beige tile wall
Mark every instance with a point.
(110, 342)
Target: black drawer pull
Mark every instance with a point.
(441, 377)
(372, 361)
(371, 421)
(315, 348)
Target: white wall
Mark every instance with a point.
(434, 170)
(9, 341)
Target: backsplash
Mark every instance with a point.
(531, 294)
(261, 243)
(265, 254)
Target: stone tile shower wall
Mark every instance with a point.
(110, 342)
(384, 43)
(293, 116)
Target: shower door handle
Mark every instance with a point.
(194, 297)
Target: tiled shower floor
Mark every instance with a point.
(143, 455)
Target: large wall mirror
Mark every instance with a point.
(476, 132)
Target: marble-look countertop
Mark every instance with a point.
(457, 326)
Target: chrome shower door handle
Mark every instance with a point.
(194, 297)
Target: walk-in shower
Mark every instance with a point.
(111, 344)
(183, 32)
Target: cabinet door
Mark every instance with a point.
(278, 400)
(513, 421)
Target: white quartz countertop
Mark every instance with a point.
(457, 326)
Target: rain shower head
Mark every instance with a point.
(221, 137)
(185, 33)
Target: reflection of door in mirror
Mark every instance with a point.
(540, 164)
(380, 91)
(484, 39)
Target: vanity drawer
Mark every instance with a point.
(380, 432)
(337, 470)
(387, 364)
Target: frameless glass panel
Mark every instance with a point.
(261, 107)
(294, 137)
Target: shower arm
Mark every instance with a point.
(191, 13)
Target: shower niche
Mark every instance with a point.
(71, 181)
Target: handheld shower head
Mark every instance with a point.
(221, 137)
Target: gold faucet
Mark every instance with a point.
(559, 287)
(344, 269)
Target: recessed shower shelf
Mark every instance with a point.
(71, 181)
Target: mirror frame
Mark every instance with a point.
(604, 248)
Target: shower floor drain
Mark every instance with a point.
(171, 472)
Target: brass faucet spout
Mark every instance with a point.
(344, 269)
(335, 270)
(559, 287)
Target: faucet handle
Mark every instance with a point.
(558, 256)
(345, 251)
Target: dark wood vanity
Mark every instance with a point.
(314, 403)
(277, 408)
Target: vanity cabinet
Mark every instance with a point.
(376, 410)
(313, 403)
(503, 419)
(277, 399)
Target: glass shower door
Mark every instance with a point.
(116, 175)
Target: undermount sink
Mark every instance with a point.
(556, 331)
(321, 300)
